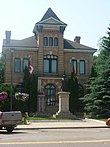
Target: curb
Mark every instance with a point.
(77, 124)
(40, 128)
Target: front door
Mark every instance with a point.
(50, 93)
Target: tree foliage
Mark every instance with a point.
(2, 67)
(97, 99)
(76, 91)
(30, 87)
(33, 93)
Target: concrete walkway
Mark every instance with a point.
(60, 124)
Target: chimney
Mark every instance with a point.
(8, 35)
(77, 39)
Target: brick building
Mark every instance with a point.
(50, 53)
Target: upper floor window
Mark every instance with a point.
(25, 63)
(17, 65)
(74, 66)
(50, 64)
(50, 41)
(45, 41)
(55, 41)
(82, 67)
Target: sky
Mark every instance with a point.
(86, 18)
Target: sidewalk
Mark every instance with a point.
(63, 124)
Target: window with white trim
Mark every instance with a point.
(25, 63)
(82, 67)
(50, 64)
(17, 65)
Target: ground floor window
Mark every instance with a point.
(50, 94)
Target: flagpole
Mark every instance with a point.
(29, 88)
(30, 73)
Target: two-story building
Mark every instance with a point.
(51, 56)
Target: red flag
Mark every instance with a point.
(74, 71)
(30, 68)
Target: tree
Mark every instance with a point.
(93, 69)
(76, 90)
(30, 87)
(2, 67)
(33, 93)
(97, 99)
(26, 80)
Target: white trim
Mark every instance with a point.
(21, 48)
(80, 50)
(43, 21)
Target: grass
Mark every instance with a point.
(41, 118)
(51, 118)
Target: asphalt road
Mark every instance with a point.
(86, 137)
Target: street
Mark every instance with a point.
(92, 137)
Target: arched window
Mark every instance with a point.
(45, 41)
(55, 41)
(50, 64)
(50, 41)
(50, 94)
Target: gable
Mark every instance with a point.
(53, 21)
(49, 13)
(51, 18)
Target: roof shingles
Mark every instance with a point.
(49, 13)
(31, 42)
(74, 45)
(27, 42)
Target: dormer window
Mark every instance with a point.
(45, 41)
(55, 41)
(50, 41)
